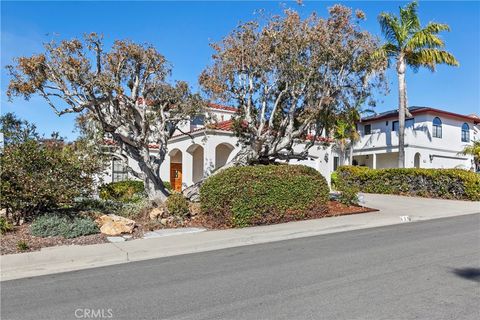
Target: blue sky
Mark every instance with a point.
(182, 31)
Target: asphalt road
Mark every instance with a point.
(422, 270)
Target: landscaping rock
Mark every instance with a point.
(164, 221)
(194, 208)
(114, 225)
(156, 213)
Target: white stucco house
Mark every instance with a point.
(433, 139)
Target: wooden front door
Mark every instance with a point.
(176, 176)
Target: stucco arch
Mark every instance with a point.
(416, 160)
(197, 153)
(222, 154)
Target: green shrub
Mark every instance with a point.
(124, 191)
(348, 194)
(67, 227)
(177, 205)
(167, 186)
(243, 196)
(334, 180)
(98, 205)
(5, 225)
(133, 209)
(37, 176)
(22, 245)
(433, 183)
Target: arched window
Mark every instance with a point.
(437, 127)
(465, 133)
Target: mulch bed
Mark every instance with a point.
(10, 240)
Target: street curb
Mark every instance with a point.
(69, 258)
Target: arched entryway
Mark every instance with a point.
(416, 160)
(176, 169)
(196, 151)
(222, 153)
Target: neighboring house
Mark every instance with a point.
(433, 139)
(207, 142)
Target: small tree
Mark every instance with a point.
(15, 130)
(41, 174)
(290, 78)
(124, 90)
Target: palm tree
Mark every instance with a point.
(346, 133)
(341, 135)
(473, 150)
(411, 45)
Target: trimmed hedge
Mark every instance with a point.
(432, 183)
(244, 196)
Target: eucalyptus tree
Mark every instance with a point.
(290, 77)
(124, 90)
(410, 44)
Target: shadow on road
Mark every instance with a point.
(468, 273)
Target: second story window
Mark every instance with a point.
(408, 124)
(437, 127)
(198, 120)
(465, 133)
(367, 129)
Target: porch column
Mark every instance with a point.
(208, 157)
(187, 169)
(374, 161)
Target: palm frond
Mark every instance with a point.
(390, 28)
(435, 28)
(409, 17)
(387, 51)
(424, 39)
(430, 58)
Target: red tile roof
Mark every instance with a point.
(223, 125)
(111, 142)
(419, 110)
(320, 139)
(222, 107)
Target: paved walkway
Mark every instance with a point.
(68, 258)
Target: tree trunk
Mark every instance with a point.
(155, 190)
(350, 160)
(401, 111)
(150, 174)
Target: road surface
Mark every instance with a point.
(421, 270)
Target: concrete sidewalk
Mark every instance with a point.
(69, 258)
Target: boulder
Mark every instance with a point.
(114, 225)
(194, 208)
(156, 213)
